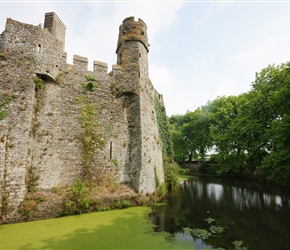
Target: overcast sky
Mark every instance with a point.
(199, 50)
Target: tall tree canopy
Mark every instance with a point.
(249, 133)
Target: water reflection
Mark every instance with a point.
(250, 212)
(214, 191)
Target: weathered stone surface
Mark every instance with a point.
(64, 122)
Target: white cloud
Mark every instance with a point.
(198, 50)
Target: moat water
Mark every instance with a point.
(212, 213)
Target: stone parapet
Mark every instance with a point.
(100, 67)
(80, 63)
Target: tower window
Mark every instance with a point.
(39, 48)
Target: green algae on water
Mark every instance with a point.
(118, 229)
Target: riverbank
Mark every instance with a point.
(117, 229)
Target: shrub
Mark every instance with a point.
(79, 201)
(171, 172)
(126, 204)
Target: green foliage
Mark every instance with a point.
(79, 188)
(209, 220)
(118, 203)
(163, 129)
(201, 233)
(171, 173)
(171, 168)
(249, 132)
(190, 135)
(213, 232)
(115, 162)
(90, 84)
(78, 202)
(126, 204)
(180, 147)
(38, 83)
(3, 113)
(90, 132)
(31, 180)
(162, 190)
(90, 78)
(216, 229)
(239, 245)
(29, 205)
(104, 208)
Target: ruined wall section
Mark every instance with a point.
(35, 43)
(27, 51)
(16, 83)
(55, 26)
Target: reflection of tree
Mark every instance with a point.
(260, 219)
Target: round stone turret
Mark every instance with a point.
(131, 30)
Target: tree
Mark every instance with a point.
(250, 132)
(196, 132)
(178, 141)
(272, 85)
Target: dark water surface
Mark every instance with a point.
(227, 214)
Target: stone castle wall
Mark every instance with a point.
(64, 122)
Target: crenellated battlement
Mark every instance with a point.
(131, 30)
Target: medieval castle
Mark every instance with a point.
(61, 122)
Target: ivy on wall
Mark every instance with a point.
(90, 135)
(90, 83)
(163, 129)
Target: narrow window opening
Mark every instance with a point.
(139, 54)
(39, 48)
(111, 147)
(139, 73)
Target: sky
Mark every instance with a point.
(199, 50)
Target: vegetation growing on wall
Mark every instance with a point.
(3, 113)
(171, 168)
(78, 201)
(29, 205)
(90, 83)
(31, 180)
(163, 128)
(90, 136)
(38, 83)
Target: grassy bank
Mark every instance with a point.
(118, 229)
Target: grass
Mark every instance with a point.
(118, 229)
